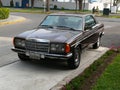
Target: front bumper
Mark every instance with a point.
(46, 55)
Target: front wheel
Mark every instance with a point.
(74, 61)
(23, 57)
(97, 44)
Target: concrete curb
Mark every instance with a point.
(12, 20)
(77, 72)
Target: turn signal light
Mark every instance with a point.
(67, 48)
(13, 41)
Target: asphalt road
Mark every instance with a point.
(42, 72)
(112, 32)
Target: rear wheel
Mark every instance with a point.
(97, 44)
(74, 61)
(23, 57)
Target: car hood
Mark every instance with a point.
(54, 35)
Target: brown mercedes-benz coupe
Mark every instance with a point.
(60, 36)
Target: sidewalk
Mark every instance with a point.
(12, 20)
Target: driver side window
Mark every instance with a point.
(89, 22)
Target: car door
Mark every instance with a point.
(90, 30)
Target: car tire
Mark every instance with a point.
(23, 57)
(74, 61)
(97, 44)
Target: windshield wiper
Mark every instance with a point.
(66, 27)
(46, 26)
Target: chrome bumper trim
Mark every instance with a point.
(47, 55)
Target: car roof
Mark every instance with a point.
(64, 14)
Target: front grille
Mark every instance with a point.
(37, 46)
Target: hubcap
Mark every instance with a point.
(76, 58)
(98, 42)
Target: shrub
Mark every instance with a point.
(62, 8)
(55, 7)
(4, 13)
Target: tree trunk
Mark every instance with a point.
(116, 2)
(80, 4)
(32, 3)
(0, 3)
(47, 6)
(76, 5)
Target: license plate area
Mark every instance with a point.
(34, 55)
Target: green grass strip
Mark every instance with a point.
(41, 10)
(77, 82)
(110, 79)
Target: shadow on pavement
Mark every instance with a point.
(45, 64)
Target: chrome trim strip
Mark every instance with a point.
(46, 54)
(38, 40)
(82, 39)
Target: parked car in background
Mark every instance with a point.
(60, 36)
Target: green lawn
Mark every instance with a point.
(110, 79)
(78, 82)
(112, 16)
(41, 11)
(27, 10)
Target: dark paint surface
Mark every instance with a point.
(54, 35)
(72, 37)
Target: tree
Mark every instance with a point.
(0, 3)
(11, 3)
(76, 5)
(32, 3)
(116, 2)
(80, 4)
(47, 5)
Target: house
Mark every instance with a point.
(17, 3)
(66, 4)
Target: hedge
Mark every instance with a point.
(4, 13)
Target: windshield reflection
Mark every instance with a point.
(63, 21)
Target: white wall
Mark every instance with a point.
(95, 4)
(18, 1)
(71, 5)
(6, 2)
(67, 5)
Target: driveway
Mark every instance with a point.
(37, 75)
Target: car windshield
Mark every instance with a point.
(63, 21)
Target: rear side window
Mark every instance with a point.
(90, 21)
